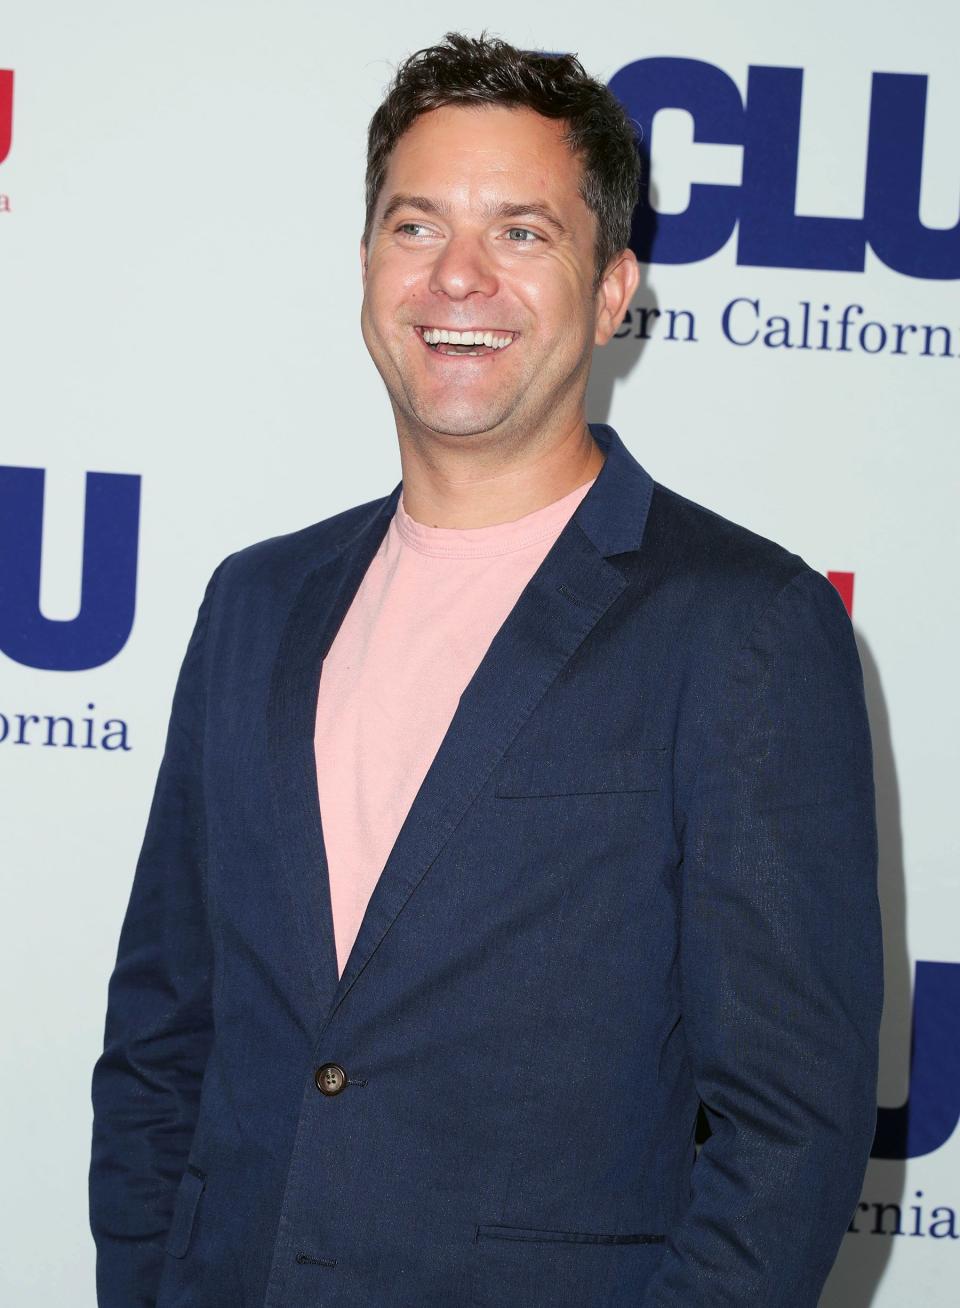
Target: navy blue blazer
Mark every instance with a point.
(640, 875)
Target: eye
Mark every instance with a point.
(525, 235)
(411, 229)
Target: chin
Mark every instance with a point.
(457, 424)
(459, 419)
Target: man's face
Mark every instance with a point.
(480, 228)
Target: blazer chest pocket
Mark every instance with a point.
(573, 773)
(530, 1235)
(184, 1213)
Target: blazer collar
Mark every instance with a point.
(612, 514)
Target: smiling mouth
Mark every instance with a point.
(475, 343)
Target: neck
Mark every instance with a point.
(458, 482)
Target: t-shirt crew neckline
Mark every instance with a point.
(484, 542)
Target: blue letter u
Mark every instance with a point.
(929, 1117)
(109, 584)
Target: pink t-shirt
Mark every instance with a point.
(419, 625)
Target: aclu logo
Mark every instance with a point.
(109, 572)
(766, 125)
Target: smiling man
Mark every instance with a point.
(487, 284)
(504, 821)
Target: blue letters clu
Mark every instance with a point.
(109, 578)
(929, 1117)
(768, 129)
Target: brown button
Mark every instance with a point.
(330, 1079)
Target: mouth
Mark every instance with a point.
(460, 343)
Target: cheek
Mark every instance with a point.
(390, 292)
(557, 303)
(404, 280)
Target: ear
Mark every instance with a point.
(618, 287)
(363, 263)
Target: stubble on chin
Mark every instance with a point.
(449, 415)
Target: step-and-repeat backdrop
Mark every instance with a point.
(181, 373)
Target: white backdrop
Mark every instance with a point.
(180, 208)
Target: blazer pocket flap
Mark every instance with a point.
(526, 1234)
(576, 773)
(184, 1212)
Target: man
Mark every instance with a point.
(597, 841)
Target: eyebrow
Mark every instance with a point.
(436, 208)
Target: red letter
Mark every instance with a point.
(6, 112)
(844, 584)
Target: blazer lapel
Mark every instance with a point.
(570, 591)
(313, 620)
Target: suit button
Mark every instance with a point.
(330, 1079)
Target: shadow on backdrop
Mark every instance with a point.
(863, 1257)
(616, 360)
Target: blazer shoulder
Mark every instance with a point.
(702, 542)
(288, 557)
(724, 572)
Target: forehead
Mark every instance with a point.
(472, 154)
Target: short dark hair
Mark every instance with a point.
(464, 70)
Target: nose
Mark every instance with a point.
(463, 267)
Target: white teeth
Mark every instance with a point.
(442, 336)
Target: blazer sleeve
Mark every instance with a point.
(146, 1084)
(780, 963)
